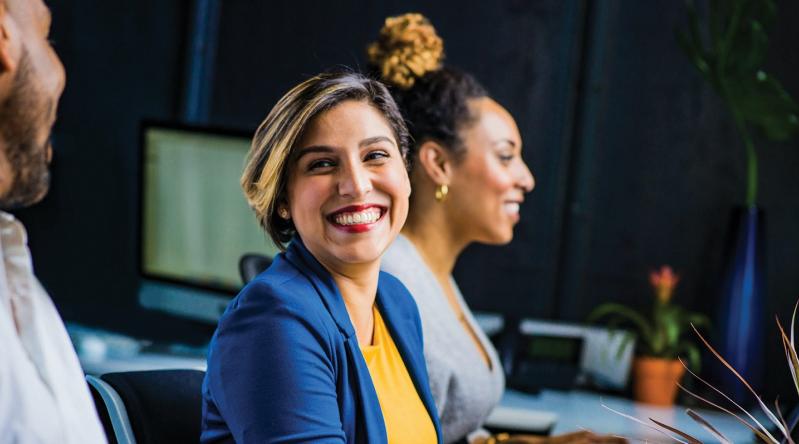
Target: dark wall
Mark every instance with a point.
(636, 161)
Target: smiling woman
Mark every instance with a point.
(348, 190)
(322, 345)
(469, 181)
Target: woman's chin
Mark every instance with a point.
(352, 256)
(497, 237)
(356, 251)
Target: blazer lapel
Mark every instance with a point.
(304, 261)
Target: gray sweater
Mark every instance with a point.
(464, 388)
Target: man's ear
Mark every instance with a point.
(436, 162)
(7, 62)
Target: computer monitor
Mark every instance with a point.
(195, 223)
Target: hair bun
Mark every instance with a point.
(406, 49)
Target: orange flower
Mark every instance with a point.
(663, 282)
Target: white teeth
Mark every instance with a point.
(362, 217)
(511, 208)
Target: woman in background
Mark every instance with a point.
(468, 180)
(322, 346)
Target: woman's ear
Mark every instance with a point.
(436, 162)
(283, 210)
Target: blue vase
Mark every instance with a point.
(740, 323)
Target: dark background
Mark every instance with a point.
(636, 159)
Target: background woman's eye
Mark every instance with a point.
(506, 158)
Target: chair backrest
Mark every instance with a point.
(107, 403)
(251, 264)
(156, 406)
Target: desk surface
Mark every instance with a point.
(571, 411)
(577, 410)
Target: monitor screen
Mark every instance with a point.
(196, 223)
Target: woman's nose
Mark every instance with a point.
(354, 181)
(525, 179)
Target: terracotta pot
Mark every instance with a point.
(655, 380)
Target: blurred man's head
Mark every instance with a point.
(31, 82)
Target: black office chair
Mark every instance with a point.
(148, 407)
(251, 264)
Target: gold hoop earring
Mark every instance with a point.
(441, 193)
(283, 213)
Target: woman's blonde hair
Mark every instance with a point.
(269, 161)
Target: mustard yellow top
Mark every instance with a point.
(406, 417)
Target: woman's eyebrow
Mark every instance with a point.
(508, 141)
(313, 149)
(374, 140)
(328, 149)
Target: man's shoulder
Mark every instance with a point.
(26, 402)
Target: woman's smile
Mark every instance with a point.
(357, 218)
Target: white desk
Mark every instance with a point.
(140, 362)
(577, 410)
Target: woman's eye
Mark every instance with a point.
(506, 158)
(321, 163)
(375, 155)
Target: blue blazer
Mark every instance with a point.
(284, 365)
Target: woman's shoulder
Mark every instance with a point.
(403, 261)
(279, 290)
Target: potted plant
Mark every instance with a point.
(777, 430)
(656, 368)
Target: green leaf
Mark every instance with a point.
(692, 352)
(622, 311)
(748, 41)
(764, 103)
(698, 319)
(752, 50)
(734, 61)
(695, 55)
(691, 42)
(673, 331)
(625, 341)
